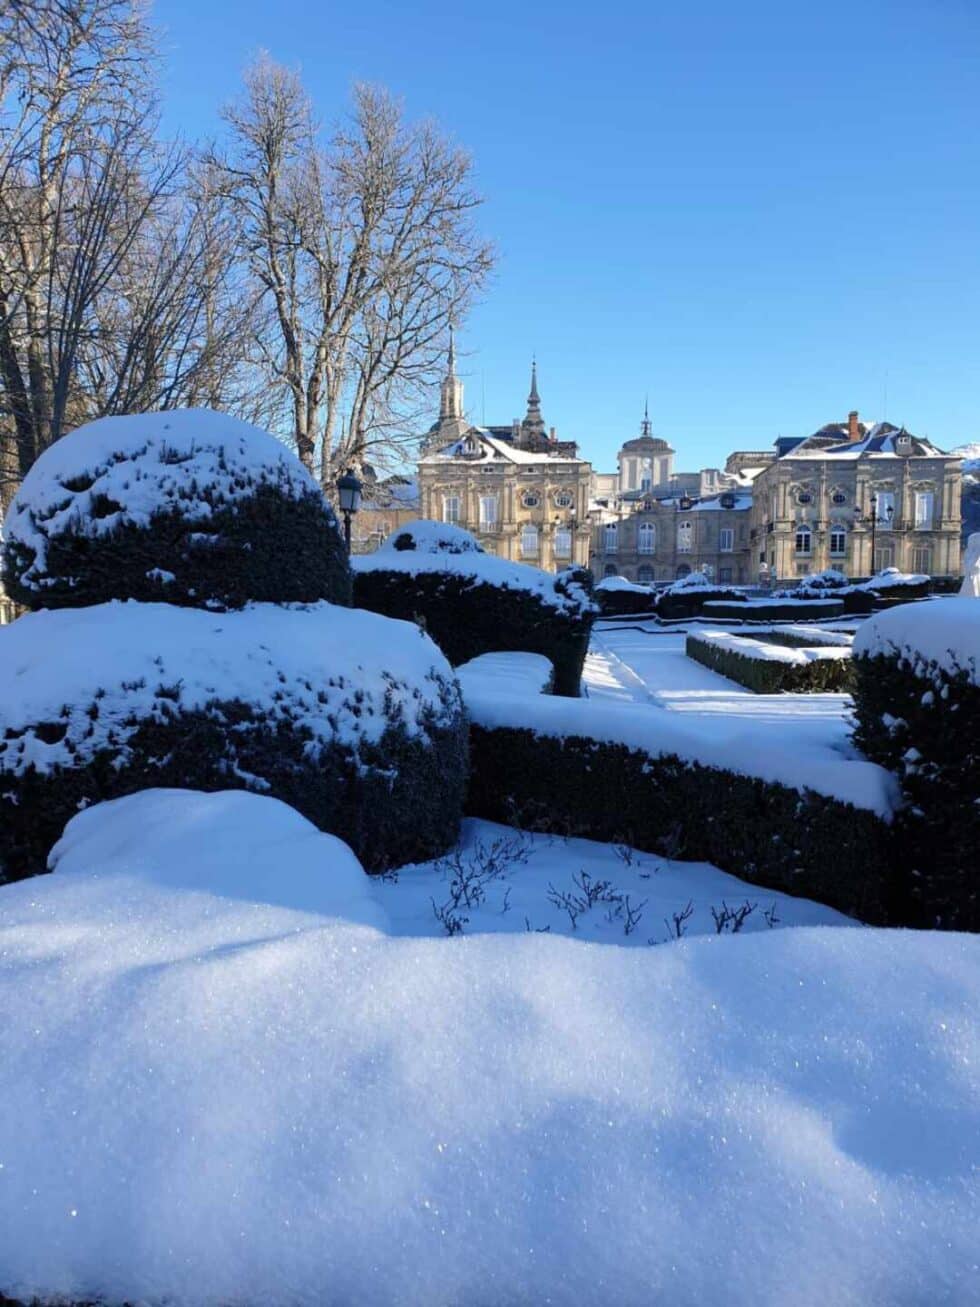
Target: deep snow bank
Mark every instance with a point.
(210, 1100)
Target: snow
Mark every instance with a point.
(613, 583)
(147, 463)
(891, 577)
(474, 566)
(521, 673)
(948, 636)
(693, 581)
(209, 1097)
(427, 537)
(970, 454)
(230, 845)
(782, 737)
(772, 653)
(331, 670)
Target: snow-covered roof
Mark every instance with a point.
(878, 441)
(494, 448)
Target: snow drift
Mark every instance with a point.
(212, 1099)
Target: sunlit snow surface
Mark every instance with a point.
(221, 1084)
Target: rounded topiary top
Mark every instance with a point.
(426, 537)
(191, 506)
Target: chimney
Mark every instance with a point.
(553, 435)
(853, 427)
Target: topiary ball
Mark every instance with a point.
(190, 506)
(351, 718)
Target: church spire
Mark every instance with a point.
(645, 429)
(451, 400)
(533, 424)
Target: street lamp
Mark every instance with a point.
(875, 517)
(349, 498)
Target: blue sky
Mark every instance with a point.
(762, 214)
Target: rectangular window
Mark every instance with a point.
(724, 574)
(885, 508)
(450, 509)
(611, 538)
(529, 541)
(884, 557)
(924, 501)
(685, 537)
(488, 512)
(726, 539)
(838, 542)
(563, 542)
(922, 559)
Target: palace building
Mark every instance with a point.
(522, 492)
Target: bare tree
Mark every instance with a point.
(363, 250)
(114, 275)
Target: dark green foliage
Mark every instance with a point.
(674, 606)
(267, 546)
(923, 723)
(622, 603)
(858, 602)
(775, 610)
(467, 616)
(769, 834)
(900, 593)
(766, 676)
(398, 800)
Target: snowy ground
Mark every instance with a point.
(228, 1079)
(501, 880)
(644, 664)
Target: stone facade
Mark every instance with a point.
(522, 493)
(812, 505)
(661, 540)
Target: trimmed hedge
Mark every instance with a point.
(467, 616)
(768, 676)
(266, 547)
(623, 603)
(676, 605)
(923, 722)
(393, 801)
(797, 610)
(355, 721)
(805, 844)
(190, 507)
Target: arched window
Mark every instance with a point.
(838, 540)
(685, 537)
(646, 537)
(610, 537)
(611, 570)
(529, 540)
(804, 538)
(645, 574)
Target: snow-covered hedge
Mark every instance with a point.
(814, 824)
(686, 597)
(354, 720)
(776, 609)
(772, 668)
(917, 708)
(473, 603)
(616, 597)
(191, 507)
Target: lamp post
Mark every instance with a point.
(875, 517)
(349, 498)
